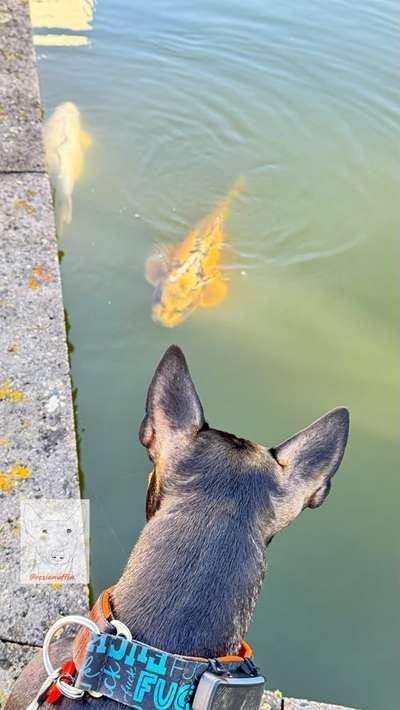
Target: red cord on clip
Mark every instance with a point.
(54, 693)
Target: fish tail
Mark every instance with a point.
(238, 186)
(63, 209)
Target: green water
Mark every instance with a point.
(300, 99)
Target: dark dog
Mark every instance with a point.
(214, 503)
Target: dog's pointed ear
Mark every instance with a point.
(312, 456)
(173, 408)
(31, 519)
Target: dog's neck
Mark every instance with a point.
(192, 580)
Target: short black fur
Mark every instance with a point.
(214, 503)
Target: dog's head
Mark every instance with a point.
(54, 536)
(192, 461)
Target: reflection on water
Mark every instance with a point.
(59, 40)
(189, 276)
(73, 15)
(301, 98)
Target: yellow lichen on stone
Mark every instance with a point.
(22, 205)
(7, 55)
(19, 471)
(8, 479)
(39, 276)
(7, 392)
(39, 273)
(4, 441)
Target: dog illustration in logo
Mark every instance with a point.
(51, 537)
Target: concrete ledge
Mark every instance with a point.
(275, 701)
(294, 704)
(13, 658)
(37, 439)
(38, 448)
(272, 701)
(20, 110)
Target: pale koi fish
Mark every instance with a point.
(189, 276)
(65, 143)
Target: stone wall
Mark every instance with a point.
(37, 440)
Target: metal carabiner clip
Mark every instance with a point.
(42, 692)
(68, 690)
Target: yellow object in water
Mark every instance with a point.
(65, 143)
(189, 276)
(60, 41)
(56, 15)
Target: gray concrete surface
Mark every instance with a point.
(20, 111)
(295, 704)
(36, 420)
(13, 658)
(273, 700)
(37, 439)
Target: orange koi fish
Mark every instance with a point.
(189, 276)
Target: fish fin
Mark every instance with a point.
(85, 138)
(156, 268)
(165, 250)
(214, 292)
(63, 210)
